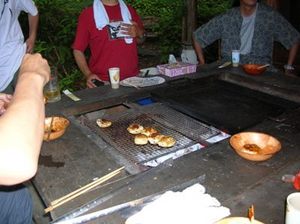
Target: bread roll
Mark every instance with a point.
(155, 138)
(103, 123)
(135, 129)
(166, 142)
(140, 139)
(149, 131)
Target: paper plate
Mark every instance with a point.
(142, 82)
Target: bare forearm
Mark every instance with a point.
(82, 63)
(21, 131)
(292, 54)
(33, 26)
(199, 52)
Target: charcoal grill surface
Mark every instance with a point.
(167, 121)
(226, 106)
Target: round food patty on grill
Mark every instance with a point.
(135, 129)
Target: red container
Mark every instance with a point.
(253, 69)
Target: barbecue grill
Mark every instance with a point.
(167, 121)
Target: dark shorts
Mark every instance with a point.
(15, 205)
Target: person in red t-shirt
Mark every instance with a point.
(110, 29)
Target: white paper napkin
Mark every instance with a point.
(192, 206)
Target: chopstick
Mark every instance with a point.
(49, 130)
(251, 214)
(263, 66)
(147, 73)
(58, 202)
(225, 64)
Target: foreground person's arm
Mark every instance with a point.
(22, 125)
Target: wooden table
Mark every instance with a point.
(76, 158)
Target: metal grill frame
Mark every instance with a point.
(167, 121)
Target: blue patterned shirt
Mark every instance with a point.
(270, 26)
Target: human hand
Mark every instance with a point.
(289, 70)
(4, 101)
(130, 29)
(30, 45)
(35, 64)
(89, 79)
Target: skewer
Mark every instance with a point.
(50, 129)
(58, 202)
(251, 214)
(263, 66)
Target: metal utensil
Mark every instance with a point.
(147, 73)
(227, 63)
(263, 66)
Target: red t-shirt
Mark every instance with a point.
(105, 51)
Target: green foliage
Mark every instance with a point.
(168, 28)
(206, 9)
(57, 26)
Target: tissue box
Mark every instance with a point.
(175, 69)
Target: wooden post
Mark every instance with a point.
(189, 22)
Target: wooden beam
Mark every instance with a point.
(189, 22)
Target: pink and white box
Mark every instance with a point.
(175, 69)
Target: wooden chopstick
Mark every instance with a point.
(58, 202)
(50, 129)
(251, 214)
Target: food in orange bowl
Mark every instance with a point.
(55, 127)
(255, 146)
(254, 69)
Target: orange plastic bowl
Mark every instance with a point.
(57, 129)
(253, 69)
(266, 145)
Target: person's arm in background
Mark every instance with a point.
(134, 30)
(21, 132)
(84, 68)
(288, 36)
(199, 52)
(292, 53)
(206, 34)
(33, 22)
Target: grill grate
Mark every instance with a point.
(190, 127)
(185, 130)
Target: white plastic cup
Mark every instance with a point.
(235, 57)
(114, 76)
(292, 215)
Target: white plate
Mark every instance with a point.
(142, 82)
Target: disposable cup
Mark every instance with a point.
(235, 56)
(114, 76)
(292, 215)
